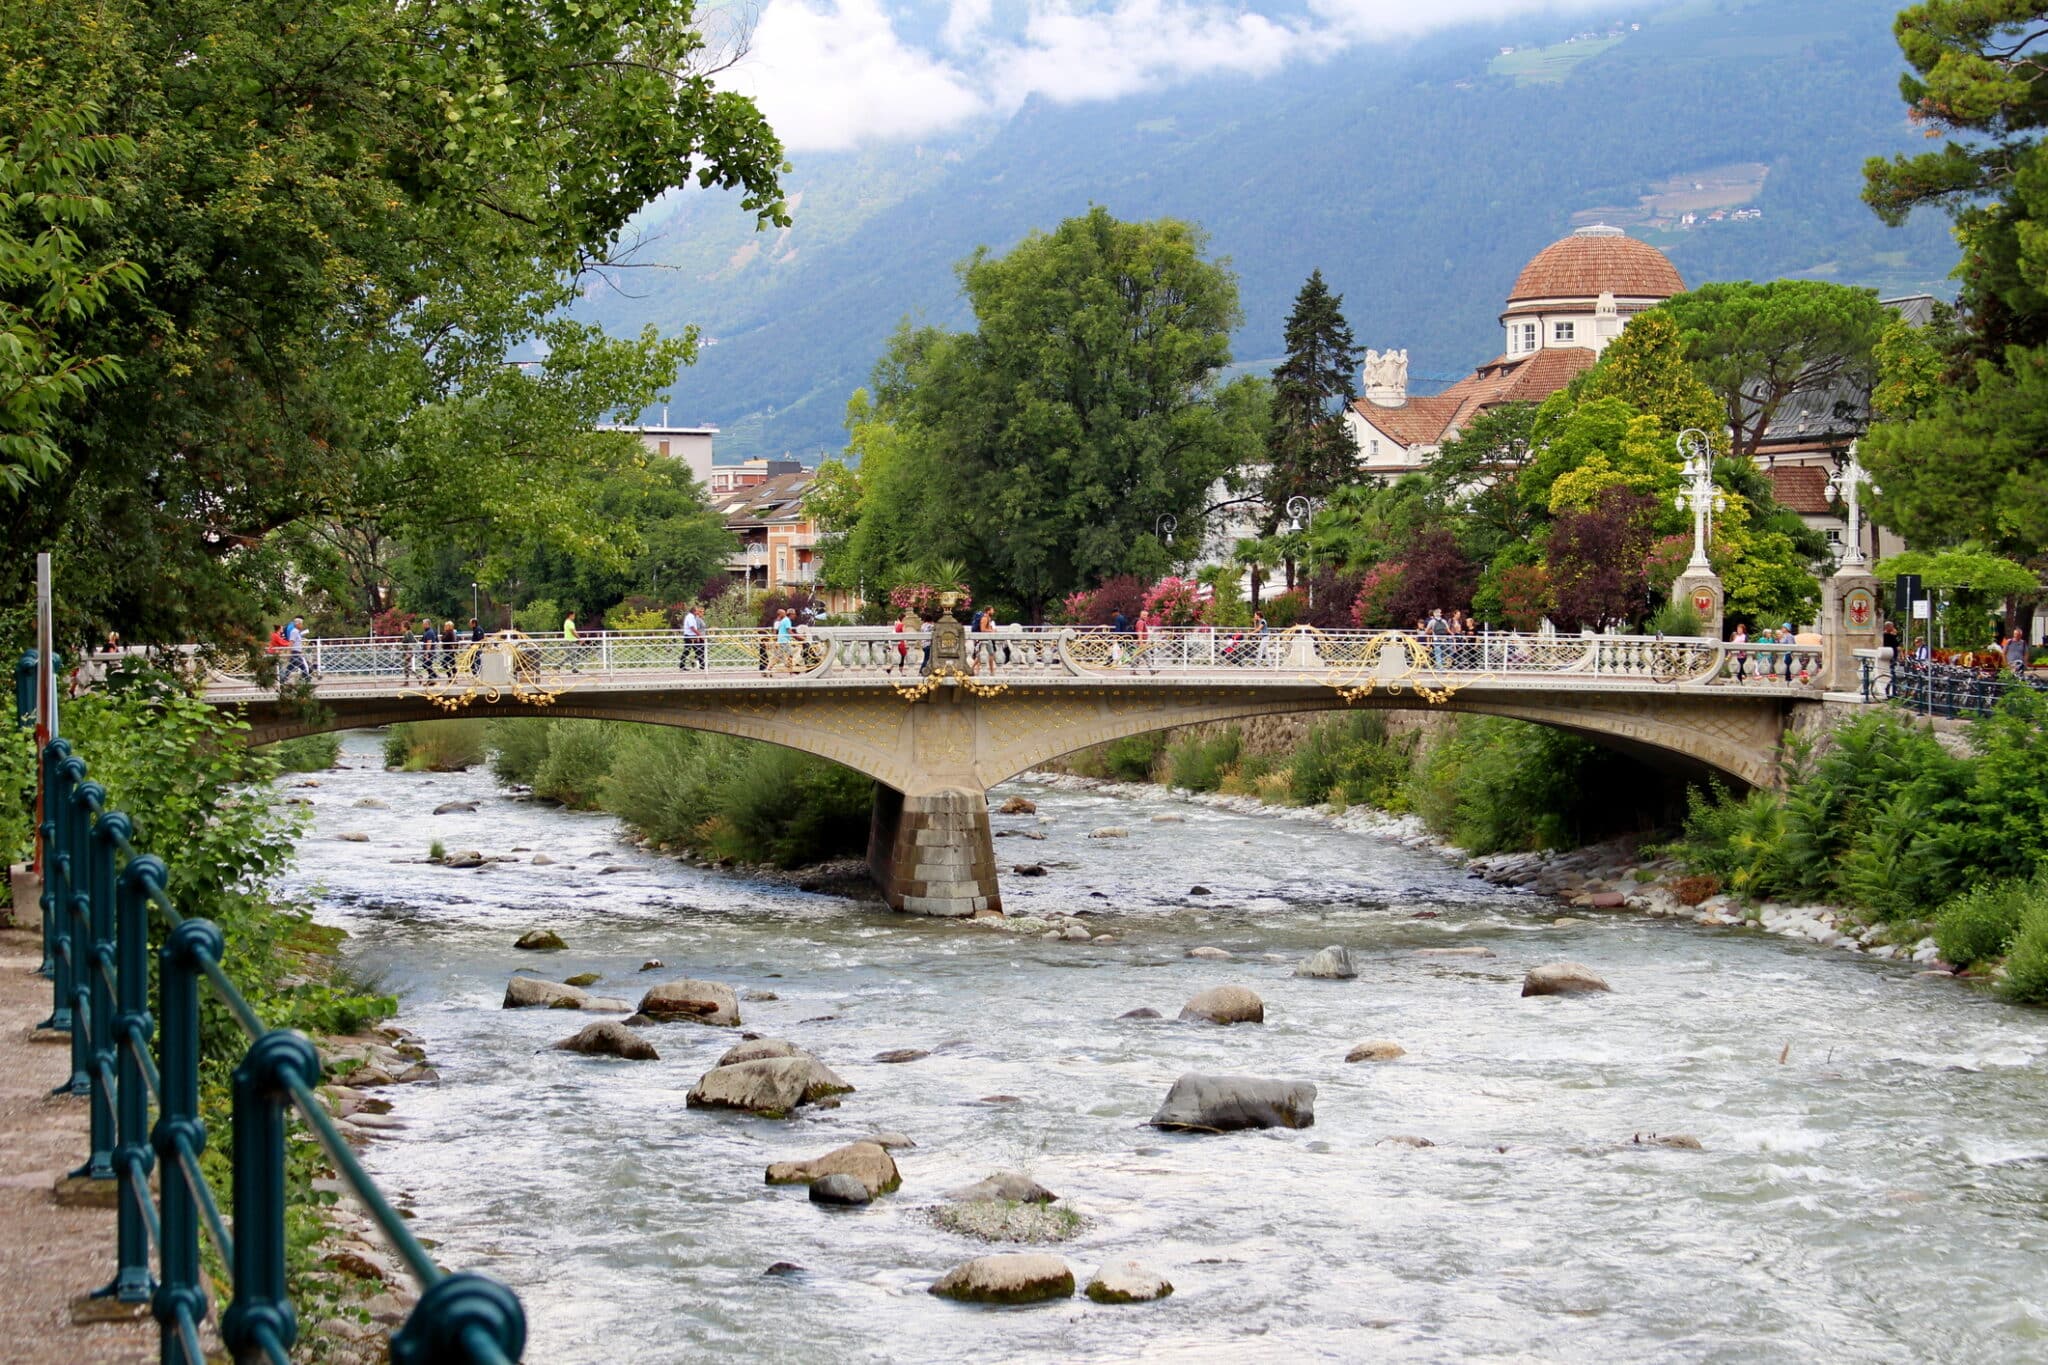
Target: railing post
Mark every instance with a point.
(452, 1314)
(260, 1322)
(54, 754)
(94, 995)
(57, 883)
(604, 652)
(74, 940)
(132, 1028)
(178, 1127)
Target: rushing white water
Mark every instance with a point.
(1877, 1195)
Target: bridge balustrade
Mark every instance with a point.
(851, 652)
(102, 900)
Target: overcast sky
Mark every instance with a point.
(833, 74)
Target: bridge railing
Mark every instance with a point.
(883, 652)
(102, 901)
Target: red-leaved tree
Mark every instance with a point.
(1435, 576)
(1599, 560)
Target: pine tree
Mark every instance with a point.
(1309, 447)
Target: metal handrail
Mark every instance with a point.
(100, 895)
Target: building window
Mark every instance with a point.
(1528, 336)
(664, 448)
(1561, 331)
(782, 561)
(1375, 453)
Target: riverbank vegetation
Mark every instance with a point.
(435, 746)
(203, 802)
(1887, 821)
(714, 795)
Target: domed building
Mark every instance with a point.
(1566, 305)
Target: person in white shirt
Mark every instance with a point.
(693, 639)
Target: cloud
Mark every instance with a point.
(832, 74)
(838, 75)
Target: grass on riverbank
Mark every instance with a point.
(715, 795)
(435, 746)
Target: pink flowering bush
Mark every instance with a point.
(922, 599)
(1371, 610)
(1173, 602)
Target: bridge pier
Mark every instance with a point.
(933, 853)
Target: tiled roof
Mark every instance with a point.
(1802, 488)
(777, 499)
(1593, 261)
(1504, 379)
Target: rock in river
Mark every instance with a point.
(467, 858)
(1014, 1278)
(1109, 832)
(1222, 1104)
(370, 803)
(902, 1054)
(842, 1191)
(703, 1002)
(540, 941)
(1127, 1282)
(1562, 978)
(353, 837)
(1224, 1005)
(1331, 964)
(771, 1087)
(758, 1049)
(583, 979)
(1378, 1050)
(610, 1038)
(865, 1162)
(530, 992)
(1018, 805)
(1208, 952)
(456, 808)
(1142, 1012)
(1013, 1186)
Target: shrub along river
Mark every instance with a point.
(1870, 1185)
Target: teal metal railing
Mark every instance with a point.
(101, 900)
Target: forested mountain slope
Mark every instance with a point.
(1419, 179)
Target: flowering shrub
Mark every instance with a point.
(1371, 609)
(392, 622)
(1124, 593)
(1524, 596)
(1173, 602)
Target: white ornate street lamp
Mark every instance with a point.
(1700, 495)
(1845, 486)
(1297, 514)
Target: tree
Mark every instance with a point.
(1755, 345)
(353, 220)
(48, 279)
(1086, 404)
(1473, 480)
(1598, 561)
(1646, 368)
(1309, 446)
(1435, 576)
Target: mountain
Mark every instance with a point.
(1418, 178)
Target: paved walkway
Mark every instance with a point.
(48, 1255)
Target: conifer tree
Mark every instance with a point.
(1309, 447)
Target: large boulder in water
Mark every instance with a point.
(530, 992)
(1331, 964)
(758, 1049)
(772, 1087)
(1225, 1005)
(1017, 1277)
(1223, 1104)
(609, 1038)
(843, 1191)
(703, 1002)
(1562, 978)
(866, 1162)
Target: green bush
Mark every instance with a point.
(780, 806)
(2026, 966)
(306, 754)
(1352, 757)
(517, 748)
(541, 616)
(1499, 784)
(1980, 924)
(578, 761)
(435, 746)
(1129, 759)
(1200, 765)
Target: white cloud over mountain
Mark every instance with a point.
(833, 74)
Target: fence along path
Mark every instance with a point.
(101, 900)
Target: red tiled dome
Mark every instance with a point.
(1597, 260)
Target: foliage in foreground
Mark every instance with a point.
(719, 796)
(1886, 820)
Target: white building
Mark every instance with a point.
(691, 445)
(1568, 303)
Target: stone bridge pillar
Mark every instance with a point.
(932, 853)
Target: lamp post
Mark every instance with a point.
(1699, 585)
(1846, 485)
(757, 555)
(475, 600)
(1701, 495)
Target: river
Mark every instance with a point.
(1871, 1185)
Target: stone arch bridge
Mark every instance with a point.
(938, 733)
